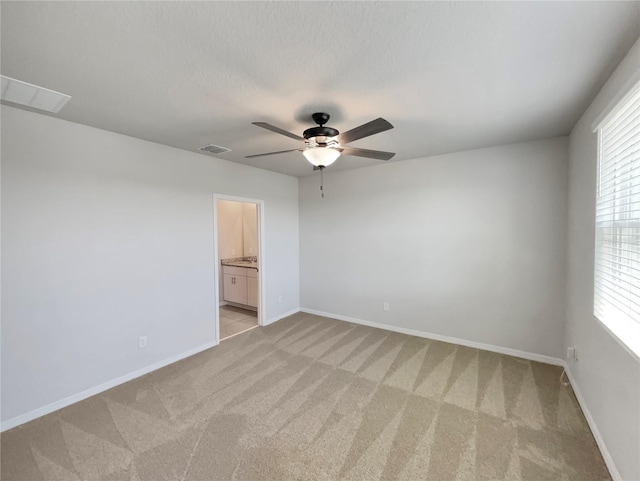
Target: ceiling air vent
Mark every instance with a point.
(22, 93)
(215, 149)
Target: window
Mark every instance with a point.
(617, 256)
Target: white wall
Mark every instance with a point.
(468, 245)
(106, 238)
(606, 374)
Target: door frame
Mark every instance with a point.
(260, 254)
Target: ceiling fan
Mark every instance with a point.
(325, 144)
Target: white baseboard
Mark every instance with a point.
(281, 316)
(49, 408)
(54, 406)
(453, 340)
(613, 471)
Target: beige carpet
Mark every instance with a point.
(310, 398)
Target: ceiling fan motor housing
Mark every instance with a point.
(321, 136)
(320, 132)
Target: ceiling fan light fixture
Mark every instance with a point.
(321, 156)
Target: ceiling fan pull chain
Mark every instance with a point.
(322, 181)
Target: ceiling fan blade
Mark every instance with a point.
(365, 130)
(277, 130)
(371, 154)
(271, 153)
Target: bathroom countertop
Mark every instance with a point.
(248, 265)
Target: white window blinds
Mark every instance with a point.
(617, 256)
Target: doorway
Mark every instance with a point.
(238, 254)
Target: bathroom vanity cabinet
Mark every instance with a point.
(240, 285)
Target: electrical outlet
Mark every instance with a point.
(142, 342)
(279, 298)
(385, 306)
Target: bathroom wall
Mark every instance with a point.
(230, 227)
(237, 232)
(249, 229)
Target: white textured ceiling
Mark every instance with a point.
(450, 76)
